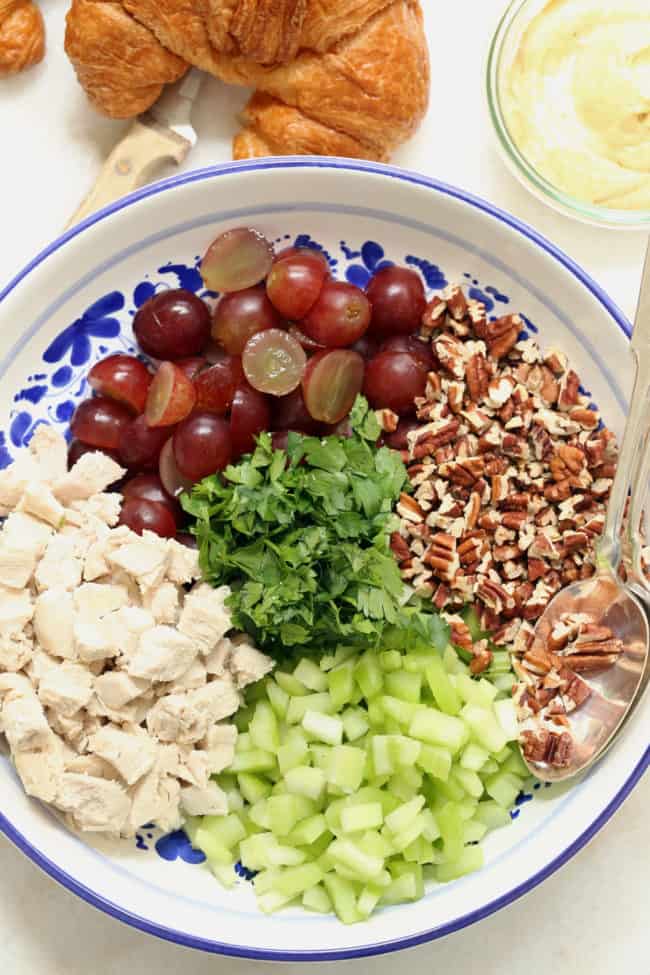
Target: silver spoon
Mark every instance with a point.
(617, 689)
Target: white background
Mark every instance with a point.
(589, 918)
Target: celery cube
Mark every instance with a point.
(317, 899)
(390, 660)
(305, 781)
(492, 814)
(435, 760)
(444, 692)
(469, 859)
(369, 675)
(351, 856)
(400, 711)
(354, 723)
(451, 830)
(323, 727)
(404, 815)
(468, 780)
(255, 760)
(503, 787)
(404, 686)
(263, 728)
(485, 727)
(346, 767)
(363, 816)
(309, 830)
(309, 674)
(341, 684)
(299, 706)
(436, 728)
(343, 894)
(474, 757)
(278, 699)
(290, 684)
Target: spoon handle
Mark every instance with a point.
(632, 467)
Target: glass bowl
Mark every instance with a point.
(503, 49)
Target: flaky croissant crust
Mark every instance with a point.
(22, 36)
(343, 77)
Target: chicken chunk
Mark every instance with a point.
(92, 765)
(39, 502)
(22, 543)
(21, 715)
(53, 622)
(183, 564)
(41, 770)
(96, 559)
(218, 659)
(93, 600)
(195, 676)
(144, 560)
(163, 654)
(115, 689)
(50, 451)
(155, 798)
(132, 755)
(163, 603)
(209, 801)
(219, 747)
(66, 689)
(94, 804)
(99, 640)
(186, 718)
(247, 664)
(14, 479)
(16, 610)
(60, 565)
(205, 618)
(104, 507)
(91, 475)
(16, 650)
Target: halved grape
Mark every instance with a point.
(420, 350)
(172, 325)
(274, 362)
(171, 396)
(172, 480)
(77, 449)
(287, 252)
(122, 378)
(215, 386)
(294, 283)
(100, 422)
(240, 315)
(237, 259)
(339, 317)
(290, 413)
(149, 487)
(249, 415)
(202, 445)
(309, 345)
(140, 444)
(398, 301)
(140, 515)
(331, 383)
(393, 380)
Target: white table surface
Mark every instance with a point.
(589, 918)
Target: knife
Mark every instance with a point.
(164, 133)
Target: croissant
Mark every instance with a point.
(333, 77)
(22, 36)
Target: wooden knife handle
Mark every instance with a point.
(131, 164)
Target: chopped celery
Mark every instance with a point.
(368, 900)
(299, 706)
(436, 728)
(469, 859)
(341, 684)
(399, 710)
(506, 713)
(296, 880)
(213, 848)
(503, 787)
(468, 780)
(293, 752)
(224, 872)
(342, 653)
(382, 758)
(390, 660)
(309, 674)
(474, 691)
(485, 727)
(375, 712)
(307, 831)
(404, 815)
(444, 692)
(363, 816)
(452, 661)
(350, 855)
(227, 830)
(406, 783)
(492, 814)
(435, 760)
(354, 723)
(346, 767)
(271, 902)
(255, 760)
(317, 899)
(514, 763)
(407, 884)
(278, 699)
(320, 755)
(402, 685)
(369, 675)
(474, 757)
(284, 811)
(290, 684)
(376, 844)
(473, 831)
(305, 781)
(323, 727)
(264, 727)
(451, 830)
(253, 787)
(344, 897)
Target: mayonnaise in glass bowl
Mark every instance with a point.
(569, 94)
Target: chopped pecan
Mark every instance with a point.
(399, 547)
(434, 314)
(477, 376)
(456, 302)
(588, 419)
(409, 509)
(387, 420)
(502, 334)
(460, 633)
(569, 390)
(442, 556)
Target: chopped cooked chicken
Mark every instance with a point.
(91, 475)
(163, 654)
(114, 679)
(205, 618)
(66, 689)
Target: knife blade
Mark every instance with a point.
(163, 133)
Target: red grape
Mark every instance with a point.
(172, 480)
(150, 488)
(140, 444)
(398, 301)
(393, 380)
(240, 315)
(340, 316)
(273, 362)
(366, 346)
(290, 413)
(192, 366)
(77, 449)
(422, 351)
(122, 378)
(331, 383)
(279, 439)
(237, 259)
(303, 252)
(308, 344)
(250, 415)
(398, 439)
(294, 283)
(141, 515)
(100, 422)
(215, 386)
(187, 539)
(172, 325)
(171, 396)
(202, 445)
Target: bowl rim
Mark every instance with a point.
(242, 951)
(609, 218)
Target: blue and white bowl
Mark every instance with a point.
(74, 303)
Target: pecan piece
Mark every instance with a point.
(442, 557)
(477, 376)
(399, 547)
(502, 334)
(434, 314)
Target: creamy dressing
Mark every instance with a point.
(576, 99)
